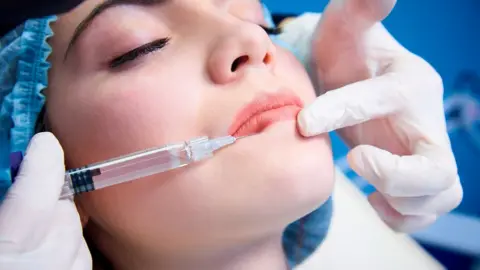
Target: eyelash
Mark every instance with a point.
(140, 51)
(272, 30)
(159, 44)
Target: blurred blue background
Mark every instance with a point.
(447, 35)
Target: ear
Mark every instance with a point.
(84, 217)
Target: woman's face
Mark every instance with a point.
(195, 65)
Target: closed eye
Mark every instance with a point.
(272, 30)
(138, 52)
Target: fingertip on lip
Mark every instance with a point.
(303, 124)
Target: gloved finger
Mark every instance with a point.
(400, 176)
(339, 46)
(31, 199)
(353, 104)
(438, 204)
(65, 236)
(63, 224)
(83, 260)
(357, 14)
(63, 241)
(394, 219)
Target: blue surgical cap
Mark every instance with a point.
(23, 76)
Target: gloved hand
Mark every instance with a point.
(387, 104)
(37, 230)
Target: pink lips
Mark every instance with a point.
(265, 111)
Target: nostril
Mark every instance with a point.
(267, 59)
(238, 62)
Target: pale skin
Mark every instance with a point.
(226, 213)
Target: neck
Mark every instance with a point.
(266, 254)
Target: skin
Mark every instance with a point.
(228, 212)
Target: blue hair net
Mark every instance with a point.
(23, 75)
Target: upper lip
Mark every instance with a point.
(261, 104)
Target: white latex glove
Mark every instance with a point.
(387, 104)
(37, 230)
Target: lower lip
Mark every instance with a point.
(260, 122)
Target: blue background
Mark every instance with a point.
(446, 34)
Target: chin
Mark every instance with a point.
(293, 175)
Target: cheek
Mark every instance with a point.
(124, 116)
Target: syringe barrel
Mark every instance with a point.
(134, 166)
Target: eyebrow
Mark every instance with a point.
(99, 9)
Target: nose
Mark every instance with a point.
(241, 48)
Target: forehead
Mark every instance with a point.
(66, 24)
(74, 17)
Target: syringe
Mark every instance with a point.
(140, 164)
